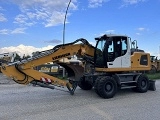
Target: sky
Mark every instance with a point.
(28, 26)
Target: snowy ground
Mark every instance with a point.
(18, 102)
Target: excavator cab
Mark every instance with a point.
(113, 54)
(112, 51)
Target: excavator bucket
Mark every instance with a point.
(74, 71)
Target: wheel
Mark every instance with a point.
(153, 69)
(152, 85)
(142, 84)
(84, 85)
(107, 87)
(96, 85)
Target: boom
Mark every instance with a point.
(23, 71)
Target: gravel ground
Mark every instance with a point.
(5, 80)
(19, 102)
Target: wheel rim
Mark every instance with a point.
(109, 87)
(143, 83)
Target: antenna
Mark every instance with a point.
(64, 25)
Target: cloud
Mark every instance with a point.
(138, 33)
(1, 9)
(2, 18)
(93, 43)
(22, 49)
(96, 3)
(131, 2)
(141, 29)
(55, 41)
(105, 32)
(18, 31)
(57, 18)
(154, 53)
(46, 12)
(110, 31)
(15, 31)
(23, 20)
(4, 31)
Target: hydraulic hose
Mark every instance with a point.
(23, 81)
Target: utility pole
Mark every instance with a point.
(64, 26)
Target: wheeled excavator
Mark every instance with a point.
(107, 67)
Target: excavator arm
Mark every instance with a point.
(23, 71)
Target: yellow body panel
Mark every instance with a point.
(135, 64)
(67, 51)
(32, 75)
(135, 61)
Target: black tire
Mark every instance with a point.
(142, 84)
(107, 87)
(84, 85)
(96, 85)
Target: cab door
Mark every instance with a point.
(118, 53)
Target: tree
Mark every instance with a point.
(25, 57)
(17, 58)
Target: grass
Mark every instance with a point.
(61, 77)
(151, 76)
(154, 76)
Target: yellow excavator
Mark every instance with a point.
(107, 67)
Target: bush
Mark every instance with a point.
(154, 76)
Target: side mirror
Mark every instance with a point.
(133, 43)
(156, 58)
(97, 38)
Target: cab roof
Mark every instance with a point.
(110, 35)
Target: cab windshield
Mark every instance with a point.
(107, 50)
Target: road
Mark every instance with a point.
(18, 102)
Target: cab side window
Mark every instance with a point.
(110, 51)
(124, 45)
(118, 46)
